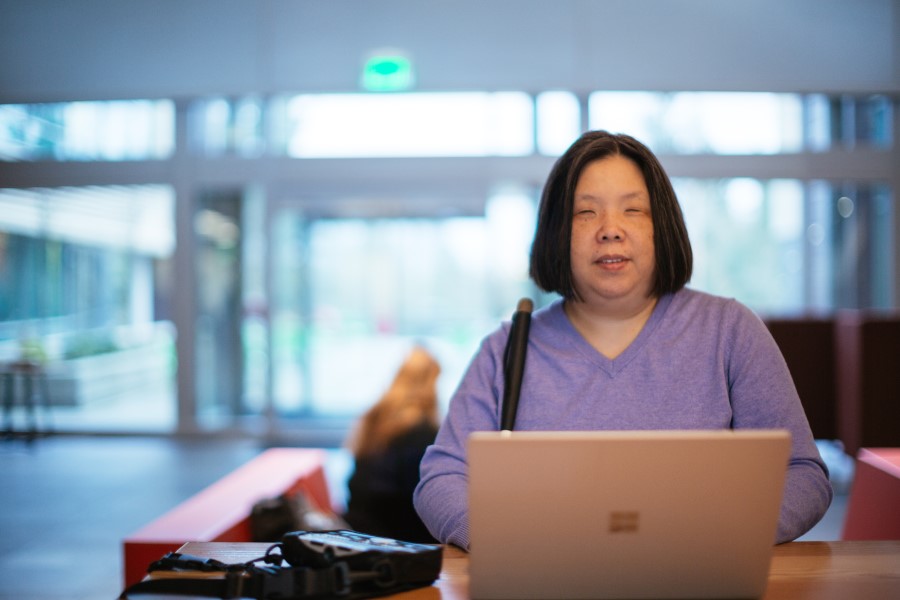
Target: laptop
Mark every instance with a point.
(624, 514)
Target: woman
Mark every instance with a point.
(387, 446)
(627, 346)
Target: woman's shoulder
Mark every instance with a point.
(549, 319)
(552, 315)
(705, 301)
(726, 313)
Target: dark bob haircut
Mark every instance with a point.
(551, 267)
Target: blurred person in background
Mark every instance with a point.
(387, 445)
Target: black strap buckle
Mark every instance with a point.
(304, 582)
(276, 584)
(333, 580)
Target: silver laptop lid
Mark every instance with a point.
(625, 514)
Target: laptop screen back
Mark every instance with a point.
(627, 514)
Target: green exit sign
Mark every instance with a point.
(387, 73)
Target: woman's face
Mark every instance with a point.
(612, 251)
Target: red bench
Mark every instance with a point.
(220, 512)
(873, 509)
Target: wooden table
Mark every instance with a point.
(846, 570)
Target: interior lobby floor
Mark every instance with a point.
(66, 503)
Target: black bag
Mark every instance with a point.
(339, 564)
(271, 518)
(392, 565)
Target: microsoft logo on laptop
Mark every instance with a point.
(624, 521)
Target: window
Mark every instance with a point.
(88, 131)
(354, 294)
(220, 126)
(558, 121)
(748, 240)
(703, 122)
(78, 291)
(133, 218)
(292, 293)
(848, 122)
(408, 125)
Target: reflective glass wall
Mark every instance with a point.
(304, 242)
(85, 297)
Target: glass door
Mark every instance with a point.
(352, 295)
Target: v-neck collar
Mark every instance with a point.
(612, 366)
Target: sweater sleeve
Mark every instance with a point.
(441, 498)
(763, 396)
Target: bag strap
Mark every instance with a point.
(270, 581)
(249, 581)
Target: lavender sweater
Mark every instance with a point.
(700, 362)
